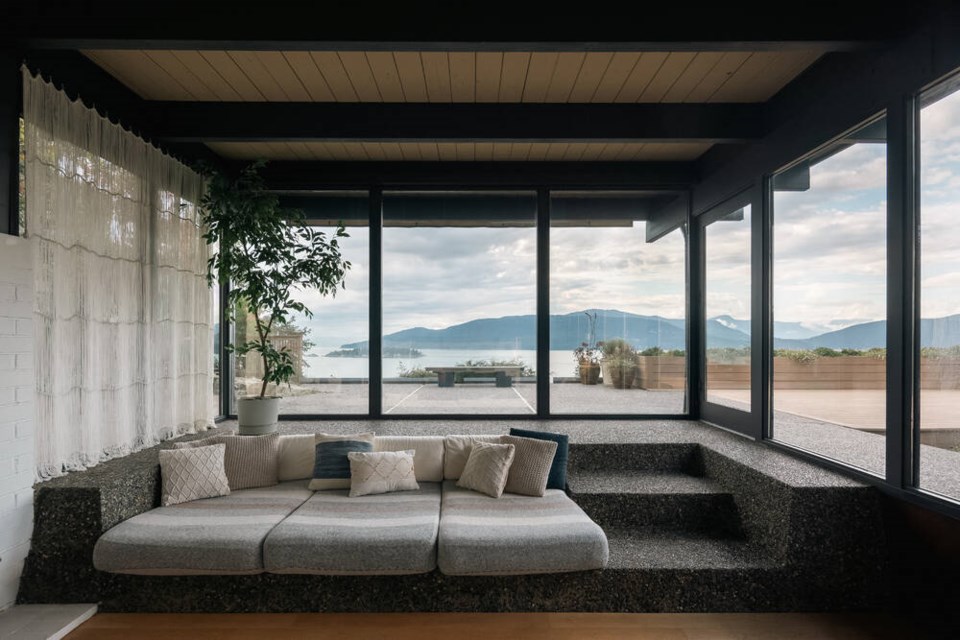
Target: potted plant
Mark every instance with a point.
(588, 362)
(620, 363)
(268, 254)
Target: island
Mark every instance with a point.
(388, 352)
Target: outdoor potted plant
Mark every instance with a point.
(588, 362)
(268, 254)
(620, 363)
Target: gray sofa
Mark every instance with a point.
(288, 529)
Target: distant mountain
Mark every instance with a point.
(569, 330)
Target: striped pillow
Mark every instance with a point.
(250, 461)
(331, 468)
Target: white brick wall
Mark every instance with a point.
(17, 391)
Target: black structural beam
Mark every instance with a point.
(304, 121)
(282, 24)
(304, 176)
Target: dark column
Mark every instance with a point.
(10, 105)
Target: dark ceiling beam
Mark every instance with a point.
(290, 176)
(283, 24)
(265, 121)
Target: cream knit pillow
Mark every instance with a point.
(531, 465)
(250, 461)
(487, 468)
(191, 474)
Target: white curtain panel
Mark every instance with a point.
(123, 311)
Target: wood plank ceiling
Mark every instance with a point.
(437, 76)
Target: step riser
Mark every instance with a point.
(677, 457)
(711, 513)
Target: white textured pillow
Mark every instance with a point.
(456, 450)
(296, 457)
(487, 468)
(381, 472)
(531, 465)
(250, 461)
(191, 474)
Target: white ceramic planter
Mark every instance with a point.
(257, 415)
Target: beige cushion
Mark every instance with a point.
(250, 461)
(381, 472)
(487, 468)
(321, 479)
(296, 457)
(531, 465)
(428, 459)
(456, 450)
(191, 474)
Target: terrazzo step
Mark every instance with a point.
(665, 548)
(661, 498)
(647, 456)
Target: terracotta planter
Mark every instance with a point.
(589, 373)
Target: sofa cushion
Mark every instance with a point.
(250, 461)
(515, 534)
(334, 534)
(531, 465)
(381, 472)
(192, 474)
(295, 457)
(428, 459)
(487, 468)
(456, 451)
(214, 536)
(332, 468)
(558, 470)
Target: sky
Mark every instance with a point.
(829, 256)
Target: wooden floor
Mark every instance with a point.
(495, 626)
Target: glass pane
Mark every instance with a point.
(617, 303)
(459, 303)
(727, 247)
(940, 296)
(829, 301)
(332, 364)
(215, 406)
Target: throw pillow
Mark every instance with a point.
(456, 450)
(558, 470)
(381, 472)
(191, 474)
(487, 468)
(331, 468)
(531, 465)
(296, 457)
(250, 461)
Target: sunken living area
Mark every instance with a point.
(438, 323)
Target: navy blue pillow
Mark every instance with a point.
(558, 470)
(331, 467)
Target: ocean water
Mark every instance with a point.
(320, 366)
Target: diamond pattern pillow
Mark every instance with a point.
(381, 472)
(191, 474)
(532, 461)
(250, 461)
(487, 468)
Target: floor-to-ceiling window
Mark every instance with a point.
(939, 292)
(618, 335)
(830, 301)
(459, 303)
(727, 303)
(332, 370)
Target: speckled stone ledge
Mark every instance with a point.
(790, 536)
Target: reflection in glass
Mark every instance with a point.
(829, 301)
(727, 266)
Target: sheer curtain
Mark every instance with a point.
(122, 311)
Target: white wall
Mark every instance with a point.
(17, 390)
